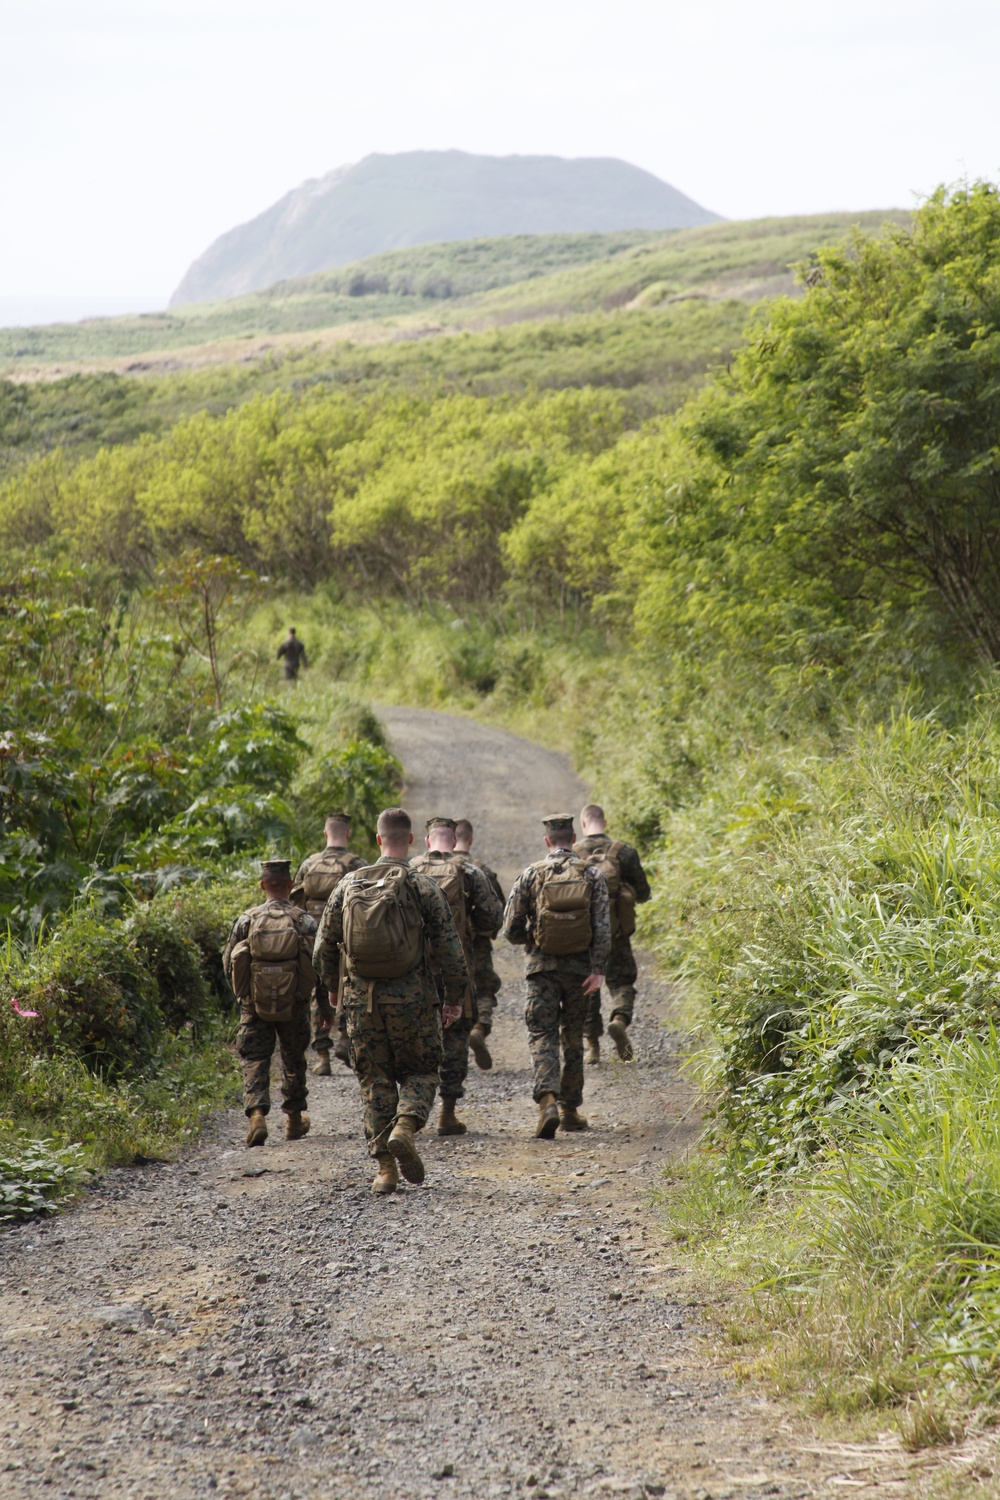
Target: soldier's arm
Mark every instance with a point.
(487, 911)
(329, 935)
(634, 874)
(496, 886)
(445, 944)
(238, 932)
(600, 921)
(281, 650)
(517, 912)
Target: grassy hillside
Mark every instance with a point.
(417, 294)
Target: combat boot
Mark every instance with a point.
(592, 1050)
(548, 1117)
(342, 1049)
(618, 1032)
(322, 1065)
(479, 1049)
(257, 1128)
(448, 1121)
(387, 1178)
(570, 1118)
(296, 1125)
(404, 1149)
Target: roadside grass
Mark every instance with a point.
(835, 918)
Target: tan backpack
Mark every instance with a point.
(562, 907)
(621, 896)
(323, 878)
(383, 923)
(449, 877)
(273, 967)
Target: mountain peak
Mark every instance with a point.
(385, 202)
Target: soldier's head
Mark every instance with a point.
(559, 831)
(395, 832)
(463, 835)
(291, 630)
(276, 879)
(592, 819)
(338, 830)
(440, 834)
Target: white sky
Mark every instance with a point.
(132, 132)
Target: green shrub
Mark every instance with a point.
(35, 1176)
(94, 996)
(175, 963)
(203, 915)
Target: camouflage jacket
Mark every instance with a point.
(351, 862)
(628, 863)
(444, 949)
(519, 916)
(241, 928)
(491, 875)
(485, 911)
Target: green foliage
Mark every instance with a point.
(35, 1176)
(94, 996)
(360, 777)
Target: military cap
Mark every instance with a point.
(439, 823)
(277, 869)
(557, 822)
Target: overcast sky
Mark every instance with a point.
(135, 131)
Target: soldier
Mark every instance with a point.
(475, 909)
(627, 886)
(484, 976)
(268, 962)
(558, 910)
(373, 937)
(292, 655)
(315, 881)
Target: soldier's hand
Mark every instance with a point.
(323, 1023)
(450, 1014)
(592, 983)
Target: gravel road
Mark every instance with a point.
(257, 1324)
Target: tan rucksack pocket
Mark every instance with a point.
(240, 964)
(275, 990)
(624, 906)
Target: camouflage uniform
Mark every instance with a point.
(484, 976)
(484, 913)
(321, 1010)
(621, 971)
(556, 1002)
(394, 1025)
(255, 1038)
(292, 655)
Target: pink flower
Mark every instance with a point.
(29, 1015)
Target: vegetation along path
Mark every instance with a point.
(256, 1323)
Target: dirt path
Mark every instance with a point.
(257, 1324)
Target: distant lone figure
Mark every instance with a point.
(292, 655)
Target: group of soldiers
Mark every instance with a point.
(389, 967)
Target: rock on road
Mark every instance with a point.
(255, 1323)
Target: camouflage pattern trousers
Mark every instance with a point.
(324, 1036)
(554, 1014)
(255, 1043)
(485, 978)
(455, 1062)
(620, 980)
(396, 1047)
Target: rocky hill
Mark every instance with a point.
(422, 197)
